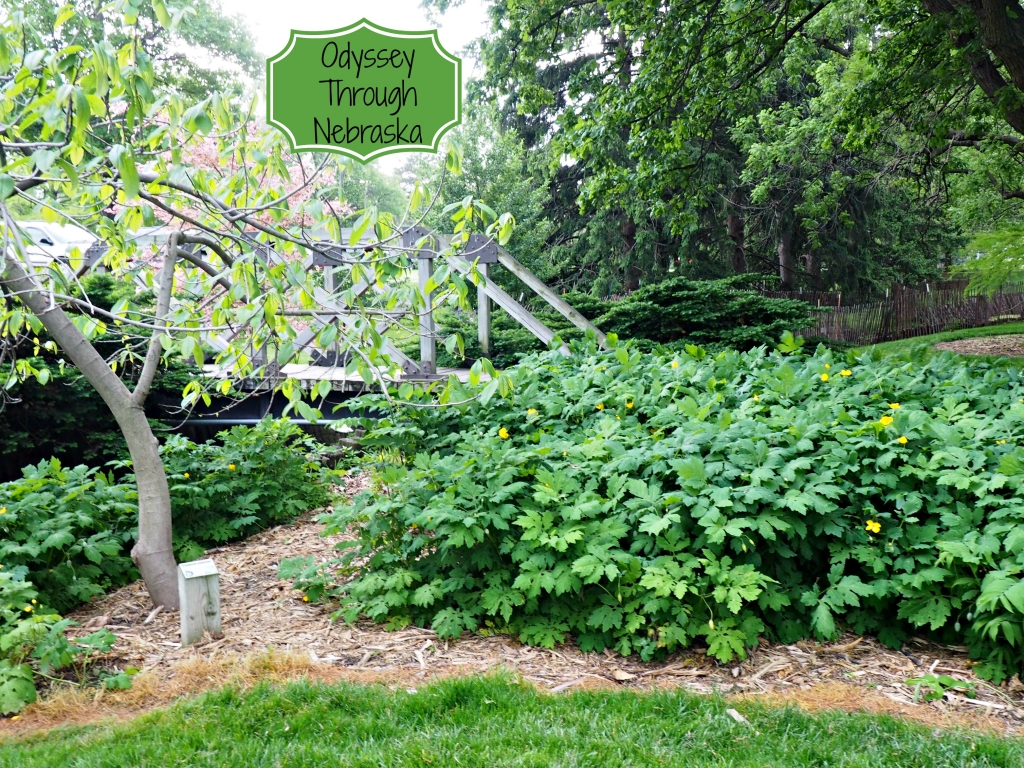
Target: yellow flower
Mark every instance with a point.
(34, 602)
(1000, 442)
(757, 399)
(902, 440)
(503, 433)
(531, 411)
(187, 475)
(629, 404)
(827, 366)
(28, 608)
(873, 527)
(675, 364)
(845, 372)
(618, 417)
(885, 421)
(824, 377)
(600, 406)
(711, 623)
(3, 510)
(231, 467)
(894, 406)
(305, 598)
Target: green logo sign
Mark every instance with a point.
(364, 91)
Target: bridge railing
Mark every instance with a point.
(474, 259)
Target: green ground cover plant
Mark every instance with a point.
(66, 533)
(646, 502)
(498, 722)
(247, 480)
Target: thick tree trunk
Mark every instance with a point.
(786, 267)
(152, 553)
(1000, 31)
(1001, 24)
(734, 225)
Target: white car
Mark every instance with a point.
(56, 241)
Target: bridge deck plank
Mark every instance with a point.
(308, 375)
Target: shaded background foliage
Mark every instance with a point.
(840, 145)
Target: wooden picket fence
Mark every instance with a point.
(907, 312)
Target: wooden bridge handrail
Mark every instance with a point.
(543, 290)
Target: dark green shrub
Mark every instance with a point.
(104, 290)
(510, 342)
(647, 501)
(703, 312)
(66, 419)
(673, 313)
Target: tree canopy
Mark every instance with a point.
(206, 51)
(722, 135)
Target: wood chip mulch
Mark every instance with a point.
(261, 611)
(1009, 345)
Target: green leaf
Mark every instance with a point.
(162, 15)
(203, 122)
(822, 622)
(124, 161)
(17, 687)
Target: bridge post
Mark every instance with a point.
(428, 338)
(483, 301)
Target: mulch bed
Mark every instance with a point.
(1010, 345)
(260, 611)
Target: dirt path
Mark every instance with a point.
(262, 612)
(1010, 345)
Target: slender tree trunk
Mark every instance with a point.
(734, 225)
(632, 274)
(786, 267)
(813, 269)
(152, 553)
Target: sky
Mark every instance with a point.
(271, 21)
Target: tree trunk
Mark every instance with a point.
(786, 268)
(1000, 30)
(632, 274)
(734, 225)
(813, 268)
(1001, 24)
(152, 553)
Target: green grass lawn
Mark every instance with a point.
(922, 343)
(494, 722)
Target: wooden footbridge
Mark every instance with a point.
(328, 365)
(426, 246)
